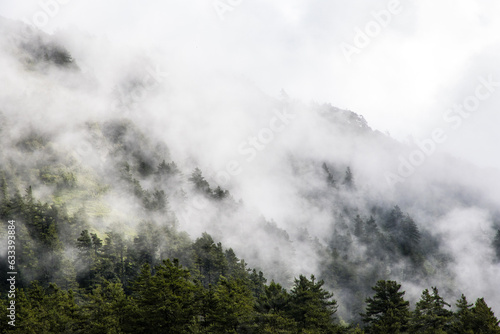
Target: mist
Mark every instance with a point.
(259, 97)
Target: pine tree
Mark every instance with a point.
(430, 315)
(462, 318)
(311, 306)
(409, 236)
(483, 319)
(165, 302)
(199, 181)
(394, 219)
(106, 309)
(209, 260)
(220, 193)
(272, 308)
(348, 179)
(167, 169)
(387, 312)
(233, 307)
(96, 243)
(49, 310)
(329, 176)
(84, 245)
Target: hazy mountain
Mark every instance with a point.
(135, 137)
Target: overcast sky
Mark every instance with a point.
(402, 74)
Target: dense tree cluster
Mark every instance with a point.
(76, 277)
(120, 285)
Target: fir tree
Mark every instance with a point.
(430, 315)
(387, 312)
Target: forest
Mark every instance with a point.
(122, 284)
(110, 195)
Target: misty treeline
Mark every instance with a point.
(132, 285)
(79, 273)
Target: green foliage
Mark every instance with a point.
(387, 312)
(430, 315)
(463, 317)
(49, 310)
(232, 307)
(483, 319)
(311, 306)
(121, 282)
(106, 309)
(166, 302)
(209, 260)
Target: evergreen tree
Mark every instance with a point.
(165, 302)
(257, 283)
(233, 307)
(167, 169)
(462, 318)
(409, 237)
(329, 176)
(114, 263)
(394, 219)
(49, 310)
(209, 260)
(272, 307)
(235, 267)
(387, 312)
(96, 243)
(348, 179)
(220, 193)
(483, 319)
(311, 306)
(106, 309)
(430, 315)
(84, 245)
(199, 181)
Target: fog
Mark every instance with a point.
(240, 91)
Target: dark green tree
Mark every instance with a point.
(209, 260)
(106, 309)
(409, 236)
(49, 310)
(233, 310)
(387, 312)
(84, 246)
(483, 319)
(462, 318)
(165, 302)
(96, 243)
(272, 307)
(430, 315)
(311, 306)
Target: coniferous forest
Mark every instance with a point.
(74, 278)
(121, 210)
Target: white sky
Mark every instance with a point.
(427, 59)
